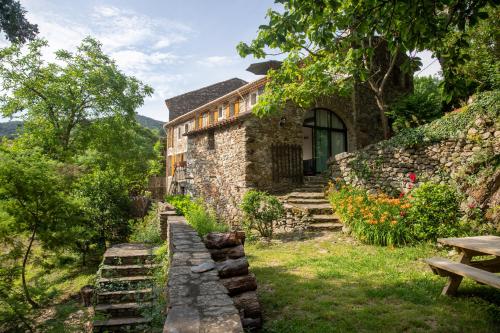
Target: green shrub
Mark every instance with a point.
(434, 212)
(182, 203)
(147, 230)
(420, 107)
(203, 220)
(261, 211)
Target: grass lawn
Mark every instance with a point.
(331, 283)
(55, 281)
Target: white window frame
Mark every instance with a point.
(253, 98)
(221, 111)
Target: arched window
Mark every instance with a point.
(329, 138)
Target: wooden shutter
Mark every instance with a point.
(236, 107)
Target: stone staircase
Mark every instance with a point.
(125, 289)
(311, 198)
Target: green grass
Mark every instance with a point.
(334, 284)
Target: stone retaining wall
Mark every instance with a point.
(197, 300)
(381, 167)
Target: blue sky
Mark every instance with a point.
(174, 46)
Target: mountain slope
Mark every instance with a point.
(10, 129)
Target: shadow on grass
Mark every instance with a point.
(337, 301)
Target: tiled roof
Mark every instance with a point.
(179, 105)
(218, 124)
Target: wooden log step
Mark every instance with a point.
(219, 240)
(123, 310)
(128, 254)
(445, 267)
(239, 284)
(227, 253)
(130, 324)
(248, 304)
(232, 267)
(124, 296)
(109, 271)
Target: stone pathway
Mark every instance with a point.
(124, 289)
(311, 198)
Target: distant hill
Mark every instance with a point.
(10, 128)
(150, 123)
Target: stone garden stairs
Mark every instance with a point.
(311, 198)
(124, 289)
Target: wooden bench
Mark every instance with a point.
(456, 271)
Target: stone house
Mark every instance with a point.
(217, 149)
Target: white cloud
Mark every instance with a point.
(216, 61)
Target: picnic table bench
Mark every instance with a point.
(482, 271)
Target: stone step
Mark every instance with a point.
(122, 310)
(115, 325)
(128, 254)
(307, 200)
(309, 195)
(325, 218)
(309, 189)
(122, 325)
(319, 209)
(108, 271)
(124, 283)
(325, 226)
(124, 296)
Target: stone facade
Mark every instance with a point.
(218, 173)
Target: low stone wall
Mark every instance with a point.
(197, 300)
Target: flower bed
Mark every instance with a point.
(418, 214)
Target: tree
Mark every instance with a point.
(331, 44)
(59, 101)
(14, 23)
(105, 202)
(422, 106)
(35, 195)
(470, 59)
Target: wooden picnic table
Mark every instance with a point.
(482, 271)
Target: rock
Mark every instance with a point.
(205, 267)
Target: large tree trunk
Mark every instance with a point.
(23, 272)
(248, 303)
(218, 240)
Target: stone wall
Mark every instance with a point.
(218, 175)
(381, 167)
(197, 300)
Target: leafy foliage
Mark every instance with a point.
(182, 203)
(59, 100)
(434, 211)
(14, 23)
(451, 125)
(105, 202)
(35, 196)
(469, 58)
(420, 214)
(332, 44)
(420, 107)
(261, 211)
(202, 219)
(147, 230)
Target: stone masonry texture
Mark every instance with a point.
(197, 302)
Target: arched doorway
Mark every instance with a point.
(325, 135)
